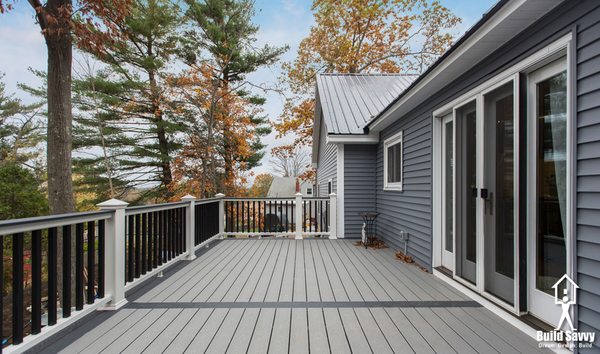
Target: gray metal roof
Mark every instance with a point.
(350, 101)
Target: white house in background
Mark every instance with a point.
(285, 187)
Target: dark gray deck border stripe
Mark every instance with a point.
(297, 304)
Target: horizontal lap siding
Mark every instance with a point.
(588, 171)
(411, 210)
(327, 165)
(359, 186)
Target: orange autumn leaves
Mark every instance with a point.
(354, 36)
(220, 136)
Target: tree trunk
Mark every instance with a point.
(60, 183)
(163, 142)
(57, 34)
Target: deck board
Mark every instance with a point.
(285, 295)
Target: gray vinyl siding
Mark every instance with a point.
(359, 186)
(327, 165)
(588, 171)
(410, 210)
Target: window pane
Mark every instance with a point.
(394, 163)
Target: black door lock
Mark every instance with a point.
(484, 193)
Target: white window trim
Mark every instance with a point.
(394, 139)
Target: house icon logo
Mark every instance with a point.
(565, 300)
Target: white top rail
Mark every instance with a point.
(154, 207)
(9, 227)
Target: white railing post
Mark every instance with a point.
(221, 214)
(299, 221)
(332, 216)
(190, 226)
(114, 243)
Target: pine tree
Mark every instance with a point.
(223, 29)
(134, 120)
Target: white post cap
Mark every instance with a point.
(188, 198)
(332, 194)
(298, 194)
(113, 204)
(219, 195)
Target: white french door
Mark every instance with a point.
(548, 180)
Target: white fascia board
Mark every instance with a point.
(353, 139)
(469, 51)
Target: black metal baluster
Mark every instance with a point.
(66, 289)
(101, 255)
(155, 219)
(293, 213)
(144, 243)
(36, 282)
(320, 216)
(52, 278)
(17, 288)
(327, 216)
(160, 236)
(269, 218)
(280, 209)
(287, 217)
(168, 225)
(130, 259)
(91, 262)
(79, 266)
(138, 241)
(310, 223)
(149, 241)
(303, 215)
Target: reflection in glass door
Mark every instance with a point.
(547, 247)
(448, 192)
(499, 211)
(466, 191)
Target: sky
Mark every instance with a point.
(281, 22)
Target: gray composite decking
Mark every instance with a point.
(281, 295)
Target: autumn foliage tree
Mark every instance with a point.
(220, 52)
(354, 36)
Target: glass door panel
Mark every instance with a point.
(499, 212)
(551, 181)
(448, 192)
(548, 155)
(467, 193)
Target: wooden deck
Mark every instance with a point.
(279, 295)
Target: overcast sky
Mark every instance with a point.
(281, 22)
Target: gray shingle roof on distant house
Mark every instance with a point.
(350, 101)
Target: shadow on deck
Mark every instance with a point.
(282, 295)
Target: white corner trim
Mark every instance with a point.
(394, 139)
(340, 191)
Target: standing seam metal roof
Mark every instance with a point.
(350, 101)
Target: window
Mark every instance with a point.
(392, 157)
(329, 188)
(308, 191)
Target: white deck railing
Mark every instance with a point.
(107, 252)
